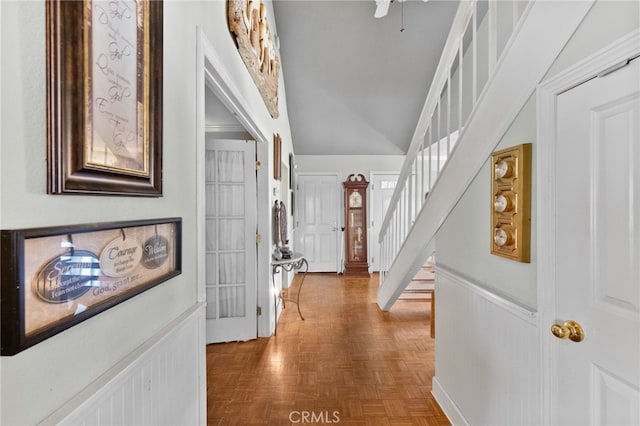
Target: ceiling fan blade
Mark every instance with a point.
(382, 7)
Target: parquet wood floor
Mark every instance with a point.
(347, 363)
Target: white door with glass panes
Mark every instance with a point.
(317, 206)
(382, 187)
(596, 381)
(230, 181)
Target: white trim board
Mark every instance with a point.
(547, 93)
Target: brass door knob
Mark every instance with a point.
(569, 330)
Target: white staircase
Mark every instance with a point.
(496, 54)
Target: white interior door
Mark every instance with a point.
(597, 271)
(317, 205)
(230, 216)
(382, 187)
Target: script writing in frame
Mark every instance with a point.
(104, 97)
(54, 278)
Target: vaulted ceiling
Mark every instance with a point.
(356, 84)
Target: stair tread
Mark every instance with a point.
(430, 284)
(423, 274)
(414, 296)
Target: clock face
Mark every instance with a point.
(502, 169)
(501, 204)
(355, 199)
(501, 237)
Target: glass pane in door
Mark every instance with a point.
(226, 234)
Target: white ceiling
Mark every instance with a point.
(356, 84)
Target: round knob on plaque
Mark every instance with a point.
(502, 237)
(502, 203)
(503, 169)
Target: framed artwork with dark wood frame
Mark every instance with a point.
(104, 97)
(277, 157)
(54, 278)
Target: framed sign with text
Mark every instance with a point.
(104, 97)
(54, 278)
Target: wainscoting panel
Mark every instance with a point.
(161, 383)
(487, 369)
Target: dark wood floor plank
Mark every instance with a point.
(347, 363)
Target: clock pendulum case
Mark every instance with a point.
(355, 207)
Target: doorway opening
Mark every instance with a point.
(232, 291)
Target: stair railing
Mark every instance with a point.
(467, 63)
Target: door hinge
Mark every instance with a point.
(258, 165)
(258, 238)
(258, 310)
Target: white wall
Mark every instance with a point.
(37, 381)
(463, 242)
(607, 21)
(347, 164)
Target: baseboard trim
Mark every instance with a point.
(446, 404)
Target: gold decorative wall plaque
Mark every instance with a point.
(511, 203)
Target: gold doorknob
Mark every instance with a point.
(569, 330)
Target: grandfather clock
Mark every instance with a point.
(355, 219)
